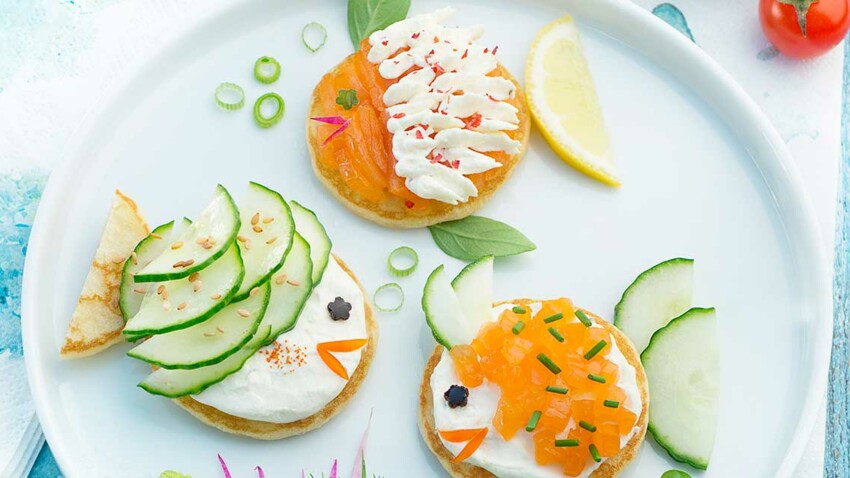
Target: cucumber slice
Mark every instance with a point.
(682, 367)
(182, 303)
(473, 287)
(443, 312)
(659, 294)
(148, 249)
(290, 288)
(179, 383)
(209, 342)
(311, 229)
(200, 245)
(265, 236)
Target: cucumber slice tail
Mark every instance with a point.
(682, 367)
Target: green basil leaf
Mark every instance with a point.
(474, 237)
(368, 16)
(675, 474)
(173, 474)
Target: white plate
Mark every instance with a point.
(705, 176)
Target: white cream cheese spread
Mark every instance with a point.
(513, 458)
(287, 381)
(445, 111)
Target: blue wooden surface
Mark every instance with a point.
(837, 452)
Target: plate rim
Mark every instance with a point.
(708, 80)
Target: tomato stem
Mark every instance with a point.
(802, 9)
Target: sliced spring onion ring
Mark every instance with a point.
(386, 289)
(269, 121)
(313, 29)
(229, 96)
(402, 252)
(266, 70)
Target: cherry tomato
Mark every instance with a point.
(804, 28)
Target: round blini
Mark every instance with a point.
(275, 431)
(611, 467)
(394, 211)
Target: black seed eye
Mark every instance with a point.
(457, 396)
(339, 309)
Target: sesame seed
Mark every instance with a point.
(241, 238)
(194, 276)
(188, 263)
(209, 334)
(293, 282)
(135, 258)
(177, 264)
(197, 286)
(139, 290)
(220, 330)
(182, 306)
(257, 229)
(207, 245)
(247, 245)
(164, 294)
(280, 279)
(243, 312)
(155, 235)
(268, 220)
(176, 245)
(254, 291)
(160, 289)
(215, 296)
(271, 241)
(255, 219)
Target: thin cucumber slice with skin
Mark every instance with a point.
(683, 371)
(180, 383)
(207, 239)
(182, 303)
(265, 236)
(148, 249)
(444, 313)
(209, 342)
(474, 289)
(291, 286)
(656, 296)
(308, 225)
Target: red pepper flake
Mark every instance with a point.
(465, 54)
(491, 98)
(474, 121)
(444, 112)
(436, 40)
(486, 50)
(495, 49)
(284, 356)
(419, 134)
(398, 115)
(456, 163)
(385, 42)
(395, 62)
(409, 204)
(431, 53)
(436, 158)
(415, 35)
(423, 126)
(438, 69)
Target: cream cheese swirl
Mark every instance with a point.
(445, 112)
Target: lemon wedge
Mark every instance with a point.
(563, 101)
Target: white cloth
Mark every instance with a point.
(56, 58)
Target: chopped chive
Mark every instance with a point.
(583, 318)
(518, 327)
(549, 363)
(573, 442)
(611, 403)
(532, 422)
(518, 310)
(594, 453)
(596, 378)
(558, 390)
(587, 426)
(556, 334)
(553, 317)
(595, 350)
